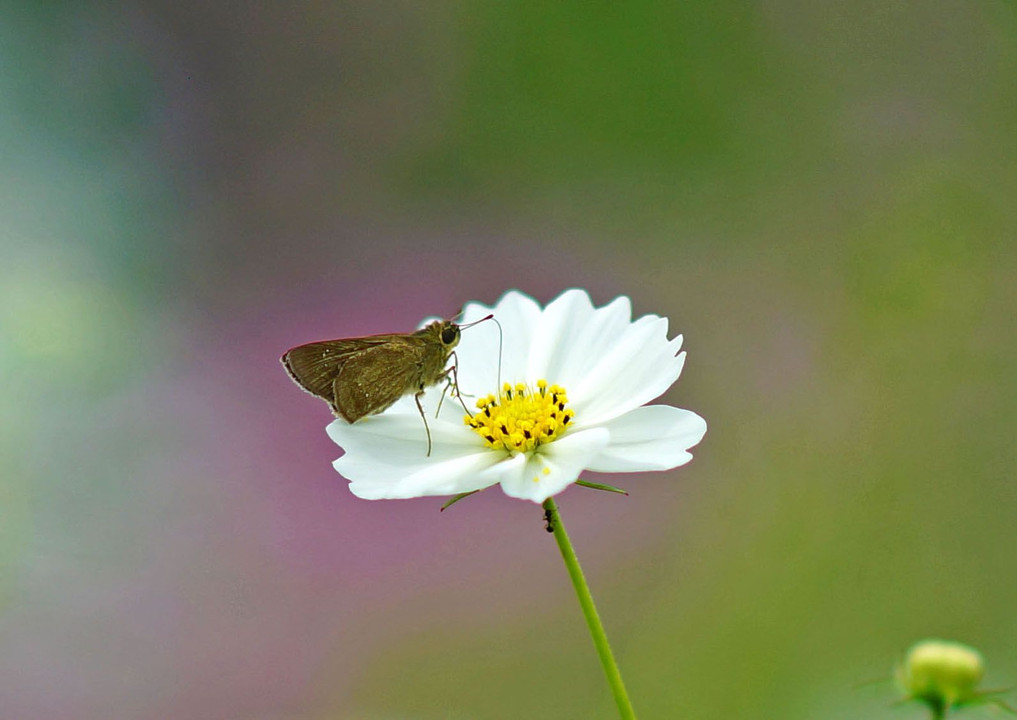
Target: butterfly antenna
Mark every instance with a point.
(501, 339)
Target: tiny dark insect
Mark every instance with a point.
(364, 376)
(549, 520)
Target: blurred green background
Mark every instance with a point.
(821, 197)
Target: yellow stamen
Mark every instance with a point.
(521, 418)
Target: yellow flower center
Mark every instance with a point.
(521, 418)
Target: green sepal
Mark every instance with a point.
(601, 486)
(992, 697)
(456, 498)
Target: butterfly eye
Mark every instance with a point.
(449, 334)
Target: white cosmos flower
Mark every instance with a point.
(601, 368)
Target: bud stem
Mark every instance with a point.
(614, 677)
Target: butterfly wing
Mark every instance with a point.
(374, 378)
(315, 366)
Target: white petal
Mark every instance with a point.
(571, 310)
(640, 366)
(654, 437)
(574, 335)
(386, 457)
(478, 352)
(553, 467)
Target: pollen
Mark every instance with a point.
(521, 417)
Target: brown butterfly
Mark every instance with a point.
(366, 375)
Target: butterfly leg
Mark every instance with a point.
(451, 383)
(448, 384)
(424, 418)
(454, 369)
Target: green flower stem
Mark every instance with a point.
(614, 677)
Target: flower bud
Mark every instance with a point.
(941, 673)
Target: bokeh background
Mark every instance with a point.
(820, 196)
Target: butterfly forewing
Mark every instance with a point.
(314, 366)
(374, 378)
